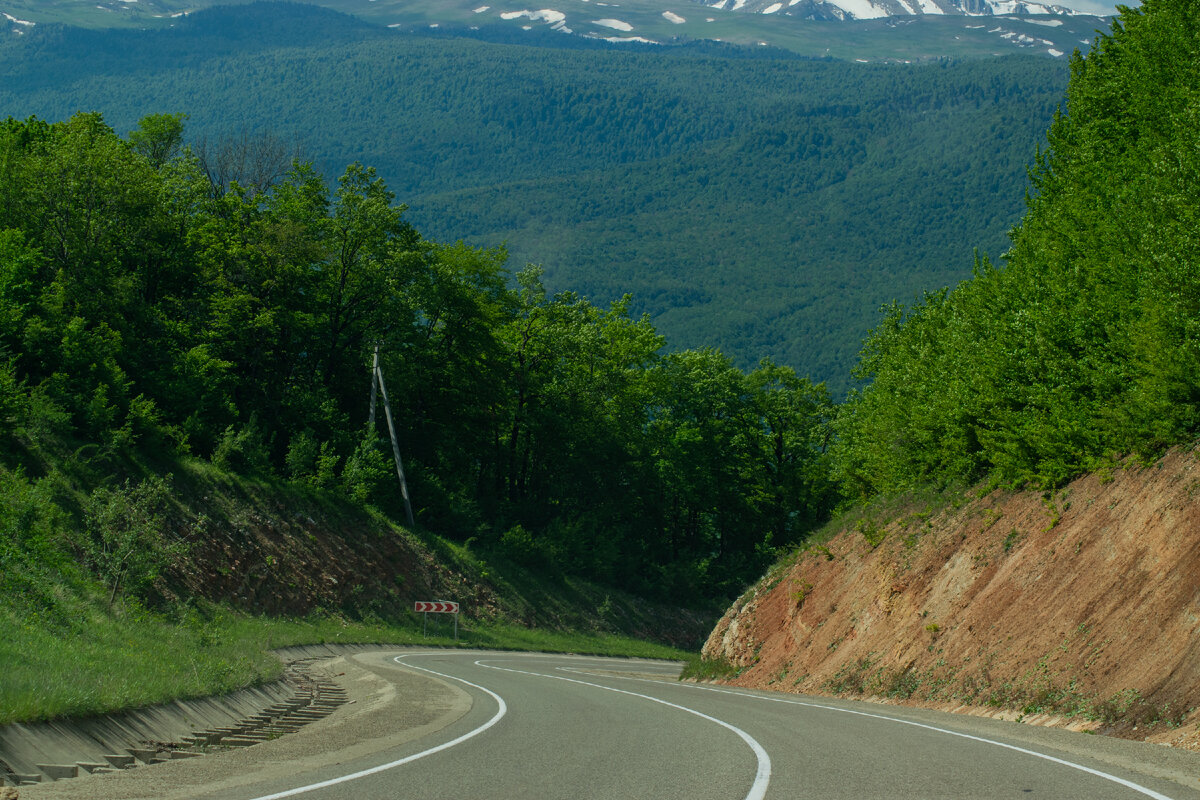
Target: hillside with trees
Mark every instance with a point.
(1083, 345)
(754, 202)
(143, 307)
(1061, 387)
(171, 309)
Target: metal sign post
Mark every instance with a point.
(437, 607)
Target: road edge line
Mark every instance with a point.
(501, 711)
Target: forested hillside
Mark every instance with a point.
(145, 309)
(643, 24)
(1039, 588)
(1083, 345)
(754, 202)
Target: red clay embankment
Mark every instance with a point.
(1078, 607)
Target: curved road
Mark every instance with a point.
(553, 726)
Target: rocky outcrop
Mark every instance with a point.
(1079, 606)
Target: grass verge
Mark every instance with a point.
(100, 662)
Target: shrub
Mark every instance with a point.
(244, 451)
(366, 470)
(127, 544)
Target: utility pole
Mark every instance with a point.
(374, 387)
(377, 380)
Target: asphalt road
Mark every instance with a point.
(514, 725)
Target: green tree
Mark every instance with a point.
(794, 434)
(158, 138)
(127, 542)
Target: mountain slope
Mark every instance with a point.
(848, 29)
(874, 9)
(764, 205)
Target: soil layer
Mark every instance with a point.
(1078, 607)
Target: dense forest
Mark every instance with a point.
(750, 201)
(145, 306)
(1084, 345)
(153, 302)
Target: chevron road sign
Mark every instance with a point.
(437, 606)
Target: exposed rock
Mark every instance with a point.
(1080, 607)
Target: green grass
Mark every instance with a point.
(66, 651)
(100, 662)
(511, 637)
(705, 669)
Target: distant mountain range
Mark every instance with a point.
(859, 30)
(874, 9)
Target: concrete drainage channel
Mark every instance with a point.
(51, 751)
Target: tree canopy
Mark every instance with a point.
(751, 201)
(1083, 345)
(146, 303)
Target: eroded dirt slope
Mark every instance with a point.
(1079, 607)
(265, 549)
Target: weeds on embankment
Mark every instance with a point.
(708, 669)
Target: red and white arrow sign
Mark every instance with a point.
(436, 606)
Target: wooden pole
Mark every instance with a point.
(374, 386)
(387, 410)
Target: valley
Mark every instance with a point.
(754, 202)
(916, 343)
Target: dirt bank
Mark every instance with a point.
(267, 548)
(1079, 607)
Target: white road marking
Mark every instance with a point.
(762, 776)
(503, 709)
(1106, 776)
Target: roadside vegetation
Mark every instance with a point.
(102, 659)
(147, 588)
(699, 668)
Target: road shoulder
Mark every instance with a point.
(385, 708)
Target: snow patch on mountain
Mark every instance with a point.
(545, 15)
(1022, 7)
(615, 24)
(875, 9)
(863, 9)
